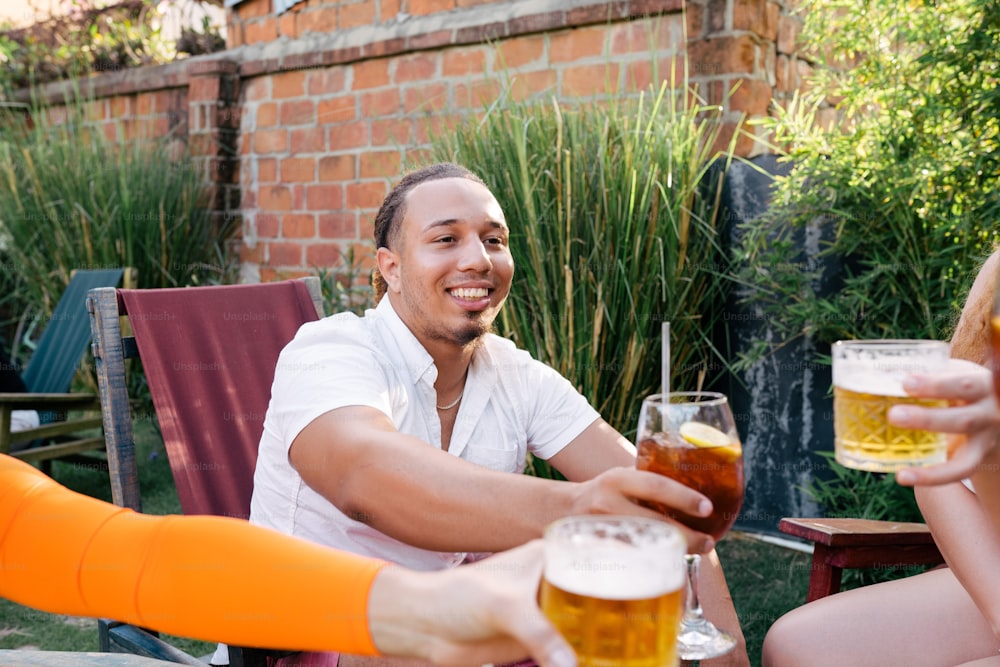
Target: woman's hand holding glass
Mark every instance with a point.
(973, 416)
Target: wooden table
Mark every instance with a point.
(13, 658)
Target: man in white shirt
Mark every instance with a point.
(394, 435)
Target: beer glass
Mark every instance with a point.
(691, 437)
(613, 587)
(867, 381)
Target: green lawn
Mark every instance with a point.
(765, 580)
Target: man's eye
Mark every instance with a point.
(496, 240)
(445, 239)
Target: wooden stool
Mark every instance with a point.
(859, 543)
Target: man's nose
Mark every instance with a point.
(474, 256)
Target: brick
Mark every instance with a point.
(308, 140)
(268, 225)
(260, 30)
(417, 67)
(288, 84)
(357, 14)
(143, 104)
(298, 112)
(326, 81)
(754, 16)
(250, 255)
(267, 170)
(342, 225)
(576, 44)
(337, 110)
(664, 34)
(368, 194)
(728, 55)
(379, 103)
(716, 16)
(298, 170)
(298, 226)
(463, 62)
(349, 135)
(696, 23)
(752, 97)
(320, 20)
(234, 34)
(252, 9)
(391, 131)
(284, 254)
(288, 24)
(589, 80)
(520, 51)
(379, 164)
(428, 128)
(425, 7)
(389, 9)
(423, 99)
(370, 74)
(120, 106)
(254, 89)
(325, 197)
(275, 198)
(203, 88)
(270, 141)
(477, 94)
(337, 167)
(267, 115)
(789, 29)
(323, 254)
(533, 84)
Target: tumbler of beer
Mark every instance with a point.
(867, 381)
(614, 586)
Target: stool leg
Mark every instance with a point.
(825, 578)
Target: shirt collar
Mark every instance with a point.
(410, 354)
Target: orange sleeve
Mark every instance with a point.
(209, 578)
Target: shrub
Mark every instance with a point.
(71, 198)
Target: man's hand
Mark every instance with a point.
(616, 491)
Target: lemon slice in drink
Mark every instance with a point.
(703, 435)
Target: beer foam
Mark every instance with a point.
(616, 569)
(867, 381)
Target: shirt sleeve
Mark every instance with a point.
(557, 412)
(324, 369)
(63, 552)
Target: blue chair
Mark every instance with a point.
(48, 378)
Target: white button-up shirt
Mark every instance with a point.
(512, 404)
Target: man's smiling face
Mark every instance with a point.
(452, 269)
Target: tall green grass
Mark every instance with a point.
(614, 221)
(72, 198)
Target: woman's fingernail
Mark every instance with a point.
(899, 415)
(911, 384)
(906, 477)
(704, 508)
(562, 658)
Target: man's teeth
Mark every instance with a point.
(470, 292)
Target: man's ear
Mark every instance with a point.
(388, 266)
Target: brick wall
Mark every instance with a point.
(310, 115)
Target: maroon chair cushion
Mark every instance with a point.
(209, 356)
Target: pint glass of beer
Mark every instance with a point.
(614, 588)
(867, 381)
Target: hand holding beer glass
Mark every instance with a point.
(868, 380)
(613, 587)
(691, 437)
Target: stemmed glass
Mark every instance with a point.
(691, 437)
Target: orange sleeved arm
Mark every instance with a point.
(209, 578)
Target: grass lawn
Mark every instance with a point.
(765, 580)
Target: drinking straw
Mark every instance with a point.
(665, 360)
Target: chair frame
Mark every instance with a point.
(70, 442)
(111, 349)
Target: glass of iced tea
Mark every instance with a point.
(691, 437)
(613, 587)
(867, 381)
